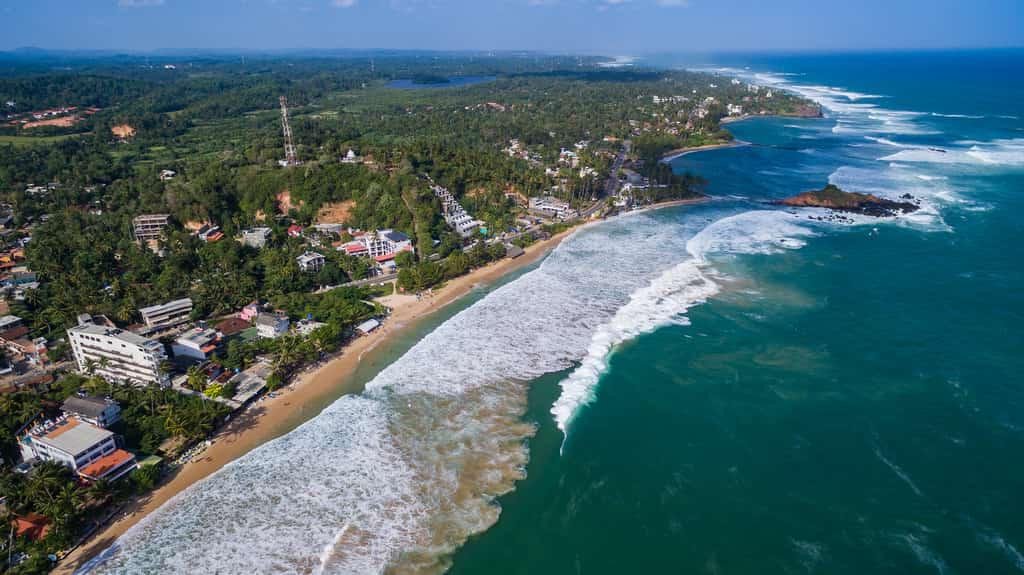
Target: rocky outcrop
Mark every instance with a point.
(833, 198)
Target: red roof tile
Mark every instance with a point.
(104, 465)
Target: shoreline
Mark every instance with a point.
(680, 152)
(734, 119)
(312, 390)
(300, 400)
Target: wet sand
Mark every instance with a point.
(303, 399)
(673, 154)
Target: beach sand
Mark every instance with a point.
(303, 399)
(673, 154)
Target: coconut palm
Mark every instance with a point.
(99, 491)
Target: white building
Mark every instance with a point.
(198, 344)
(209, 233)
(255, 238)
(454, 214)
(92, 410)
(311, 262)
(167, 314)
(88, 450)
(166, 175)
(380, 245)
(734, 109)
(116, 354)
(271, 325)
(551, 207)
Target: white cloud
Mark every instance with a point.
(343, 3)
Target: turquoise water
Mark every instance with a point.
(855, 405)
(719, 388)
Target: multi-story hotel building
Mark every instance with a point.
(167, 314)
(116, 354)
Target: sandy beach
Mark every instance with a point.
(671, 155)
(302, 399)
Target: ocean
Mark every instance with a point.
(719, 388)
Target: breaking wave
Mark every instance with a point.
(667, 298)
(997, 153)
(396, 478)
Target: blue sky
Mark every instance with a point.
(614, 27)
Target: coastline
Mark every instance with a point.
(302, 399)
(680, 152)
(740, 118)
(313, 389)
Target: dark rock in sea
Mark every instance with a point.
(833, 198)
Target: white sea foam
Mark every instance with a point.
(754, 232)
(403, 473)
(930, 192)
(958, 116)
(899, 472)
(653, 306)
(997, 153)
(997, 541)
(887, 142)
(926, 556)
(669, 296)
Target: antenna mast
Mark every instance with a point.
(290, 158)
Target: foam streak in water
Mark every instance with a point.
(668, 297)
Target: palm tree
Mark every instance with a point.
(196, 378)
(99, 491)
(65, 505)
(174, 423)
(125, 311)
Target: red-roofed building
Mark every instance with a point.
(31, 526)
(295, 231)
(378, 244)
(232, 326)
(112, 466)
(355, 248)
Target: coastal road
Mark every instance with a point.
(612, 183)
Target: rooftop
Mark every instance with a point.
(396, 236)
(125, 336)
(104, 465)
(72, 435)
(271, 319)
(91, 407)
(232, 325)
(198, 336)
(150, 310)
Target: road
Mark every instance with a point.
(611, 185)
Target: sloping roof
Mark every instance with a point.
(14, 333)
(164, 307)
(91, 407)
(368, 326)
(103, 466)
(397, 236)
(232, 325)
(31, 525)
